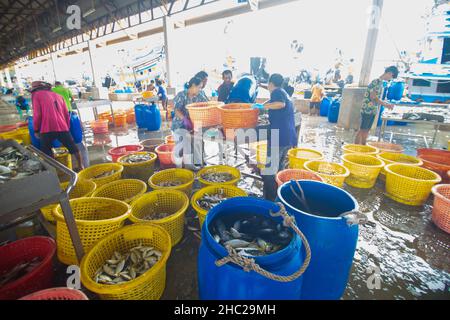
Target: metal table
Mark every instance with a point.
(29, 207)
(94, 104)
(389, 116)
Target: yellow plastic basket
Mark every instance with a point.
(97, 169)
(298, 156)
(228, 190)
(83, 188)
(221, 169)
(391, 157)
(95, 218)
(148, 286)
(331, 173)
(63, 158)
(141, 170)
(408, 184)
(364, 169)
(358, 148)
(261, 154)
(23, 134)
(186, 176)
(170, 201)
(125, 190)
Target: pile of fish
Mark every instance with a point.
(104, 174)
(217, 177)
(125, 267)
(15, 165)
(19, 271)
(60, 151)
(250, 235)
(156, 215)
(170, 183)
(208, 201)
(136, 158)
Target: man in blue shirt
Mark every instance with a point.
(281, 117)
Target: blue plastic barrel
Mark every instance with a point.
(75, 128)
(325, 106)
(230, 281)
(139, 114)
(395, 90)
(333, 113)
(36, 142)
(332, 241)
(152, 117)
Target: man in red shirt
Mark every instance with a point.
(51, 119)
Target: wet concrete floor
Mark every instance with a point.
(410, 252)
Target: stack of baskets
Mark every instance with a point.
(205, 114)
(437, 161)
(237, 116)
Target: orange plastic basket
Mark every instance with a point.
(99, 126)
(120, 119)
(205, 114)
(441, 206)
(437, 161)
(296, 174)
(169, 139)
(165, 155)
(238, 115)
(131, 117)
(386, 146)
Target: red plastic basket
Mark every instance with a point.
(441, 206)
(437, 161)
(165, 155)
(99, 126)
(120, 151)
(296, 174)
(21, 251)
(9, 127)
(56, 294)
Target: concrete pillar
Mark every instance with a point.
(96, 80)
(168, 28)
(53, 58)
(371, 42)
(18, 77)
(2, 81)
(8, 78)
(352, 98)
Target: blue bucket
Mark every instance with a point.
(230, 281)
(36, 142)
(333, 113)
(332, 241)
(324, 107)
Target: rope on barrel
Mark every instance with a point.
(249, 264)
